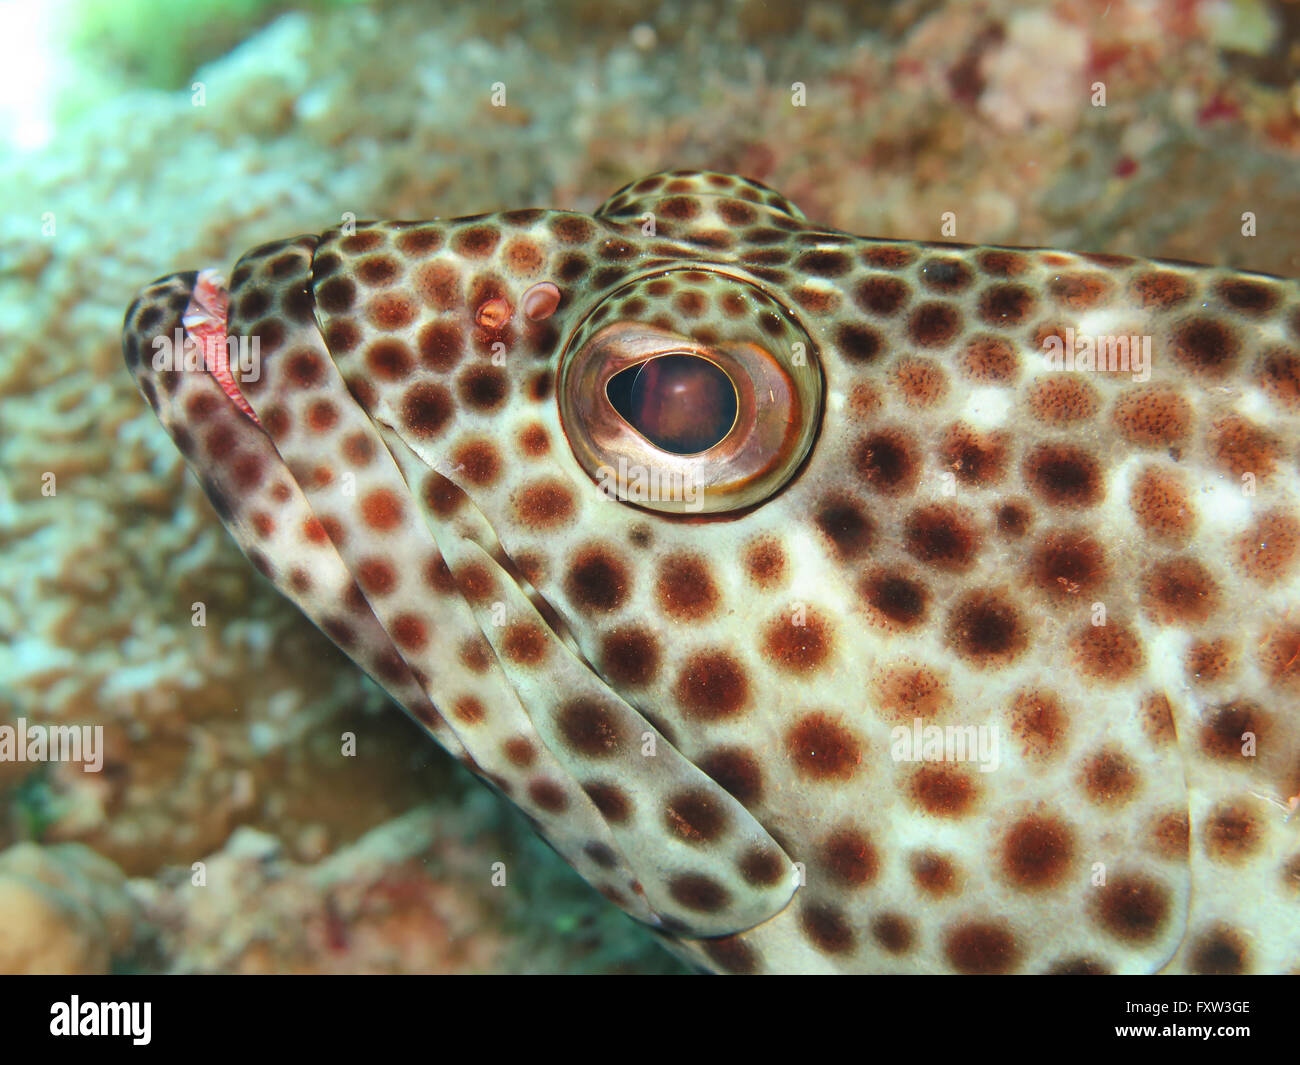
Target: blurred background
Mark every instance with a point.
(138, 137)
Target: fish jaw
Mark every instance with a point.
(935, 559)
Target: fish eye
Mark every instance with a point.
(680, 402)
(691, 391)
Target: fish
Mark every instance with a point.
(829, 603)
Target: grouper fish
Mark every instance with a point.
(829, 603)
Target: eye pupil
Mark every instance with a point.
(680, 403)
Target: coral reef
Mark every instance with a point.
(223, 739)
(63, 909)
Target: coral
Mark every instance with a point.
(63, 909)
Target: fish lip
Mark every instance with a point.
(206, 321)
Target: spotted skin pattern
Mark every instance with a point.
(699, 711)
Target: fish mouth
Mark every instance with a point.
(206, 319)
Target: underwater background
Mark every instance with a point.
(139, 138)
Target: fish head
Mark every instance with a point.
(781, 577)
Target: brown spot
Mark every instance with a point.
(426, 409)
(904, 693)
(630, 656)
(1209, 661)
(859, 343)
(846, 525)
(468, 709)
(934, 874)
(476, 582)
(478, 241)
(976, 458)
(438, 284)
(1232, 833)
(990, 360)
(548, 795)
(827, 928)
(1108, 777)
(1252, 298)
(441, 496)
(1227, 730)
(880, 295)
(1205, 346)
(933, 324)
(533, 440)
(732, 955)
(712, 685)
(736, 771)
(943, 790)
(382, 510)
(597, 580)
(1179, 591)
(1153, 417)
(1079, 967)
(1132, 908)
(610, 800)
(420, 241)
(391, 311)
(1005, 305)
(1279, 374)
(1038, 852)
(478, 462)
(850, 859)
(695, 816)
(888, 256)
(409, 632)
(483, 387)
(896, 597)
(699, 893)
(685, 588)
(1068, 564)
(921, 381)
(376, 576)
(1160, 505)
(1001, 263)
(441, 345)
(1064, 475)
(1013, 519)
(1169, 835)
(986, 629)
(1039, 721)
(1059, 401)
(1080, 292)
(887, 461)
(980, 947)
(1161, 289)
(1240, 447)
(1267, 550)
(764, 560)
(475, 654)
(544, 504)
(1108, 653)
(1280, 656)
(797, 643)
(1220, 952)
(942, 536)
(893, 932)
(358, 449)
(525, 643)
(822, 749)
